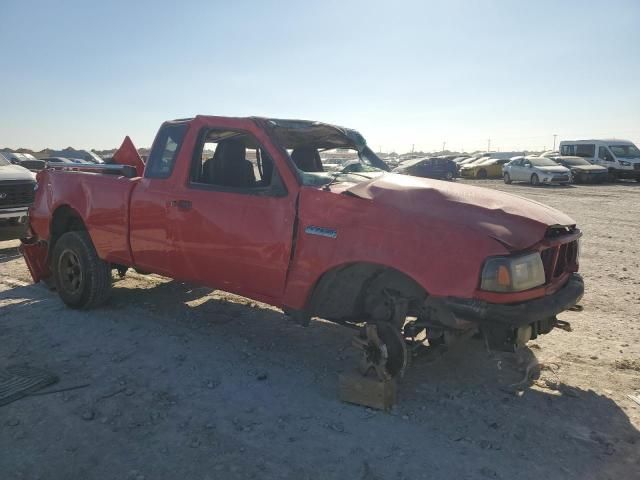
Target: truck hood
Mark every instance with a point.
(515, 222)
(15, 172)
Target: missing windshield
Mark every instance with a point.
(325, 154)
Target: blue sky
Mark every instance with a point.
(86, 73)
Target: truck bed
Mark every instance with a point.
(102, 200)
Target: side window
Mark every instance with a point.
(603, 154)
(586, 151)
(165, 150)
(234, 161)
(568, 150)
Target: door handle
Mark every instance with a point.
(181, 204)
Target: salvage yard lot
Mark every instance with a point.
(182, 382)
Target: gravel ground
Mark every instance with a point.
(175, 381)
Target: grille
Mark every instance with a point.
(561, 178)
(16, 194)
(557, 260)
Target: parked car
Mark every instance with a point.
(620, 157)
(25, 160)
(550, 154)
(395, 256)
(473, 159)
(62, 161)
(83, 155)
(583, 171)
(536, 171)
(439, 168)
(461, 158)
(356, 166)
(16, 191)
(488, 168)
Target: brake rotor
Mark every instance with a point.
(383, 350)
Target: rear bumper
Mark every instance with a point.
(13, 212)
(520, 314)
(35, 253)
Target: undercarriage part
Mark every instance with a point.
(508, 339)
(383, 350)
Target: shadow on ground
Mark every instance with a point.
(467, 413)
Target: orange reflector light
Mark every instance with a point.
(504, 276)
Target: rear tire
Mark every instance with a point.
(507, 179)
(82, 279)
(535, 181)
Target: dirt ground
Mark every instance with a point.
(182, 382)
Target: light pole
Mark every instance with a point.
(554, 141)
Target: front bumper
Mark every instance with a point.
(582, 177)
(626, 174)
(519, 314)
(14, 212)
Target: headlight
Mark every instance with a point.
(625, 164)
(512, 274)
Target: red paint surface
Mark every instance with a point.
(438, 233)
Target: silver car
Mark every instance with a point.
(536, 171)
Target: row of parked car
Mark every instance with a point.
(582, 161)
(65, 157)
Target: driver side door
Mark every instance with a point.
(236, 238)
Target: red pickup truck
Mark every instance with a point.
(243, 205)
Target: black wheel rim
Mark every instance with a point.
(70, 271)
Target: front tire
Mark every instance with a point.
(507, 179)
(82, 279)
(535, 181)
(482, 174)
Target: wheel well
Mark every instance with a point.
(360, 291)
(65, 219)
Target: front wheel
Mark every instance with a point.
(535, 181)
(507, 179)
(482, 174)
(449, 176)
(82, 279)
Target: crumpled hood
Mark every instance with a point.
(514, 221)
(15, 172)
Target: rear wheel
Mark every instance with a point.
(82, 279)
(482, 173)
(507, 178)
(535, 181)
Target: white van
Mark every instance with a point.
(620, 157)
